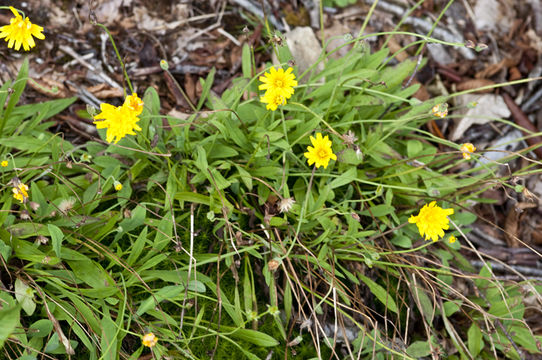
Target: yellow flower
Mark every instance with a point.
(20, 31)
(440, 110)
(321, 153)
(134, 104)
(20, 192)
(149, 340)
(279, 82)
(432, 221)
(4, 163)
(452, 239)
(120, 121)
(118, 185)
(467, 149)
(273, 100)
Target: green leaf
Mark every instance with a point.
(201, 159)
(25, 296)
(380, 293)
(137, 248)
(206, 88)
(414, 147)
(40, 328)
(18, 87)
(345, 178)
(246, 61)
(170, 292)
(419, 349)
(9, 317)
(451, 307)
(56, 236)
(378, 210)
(5, 250)
(475, 341)
(252, 336)
(109, 338)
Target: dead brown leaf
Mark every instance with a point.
(104, 91)
(512, 224)
(492, 69)
(474, 84)
(50, 87)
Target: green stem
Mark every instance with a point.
(118, 56)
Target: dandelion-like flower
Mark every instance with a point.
(467, 149)
(320, 152)
(117, 185)
(432, 221)
(120, 121)
(20, 192)
(273, 100)
(452, 239)
(279, 82)
(20, 31)
(440, 110)
(4, 163)
(149, 340)
(134, 104)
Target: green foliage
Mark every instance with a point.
(195, 249)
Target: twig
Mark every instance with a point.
(524, 270)
(104, 37)
(522, 120)
(85, 95)
(438, 32)
(68, 50)
(255, 9)
(229, 36)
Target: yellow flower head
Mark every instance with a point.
(432, 221)
(467, 149)
(20, 192)
(279, 82)
(149, 340)
(118, 185)
(20, 31)
(273, 100)
(321, 153)
(134, 104)
(452, 239)
(4, 163)
(119, 121)
(440, 110)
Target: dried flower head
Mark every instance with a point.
(467, 149)
(25, 215)
(273, 264)
(149, 340)
(66, 205)
(34, 205)
(320, 153)
(21, 32)
(42, 240)
(286, 204)
(440, 110)
(432, 220)
(349, 138)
